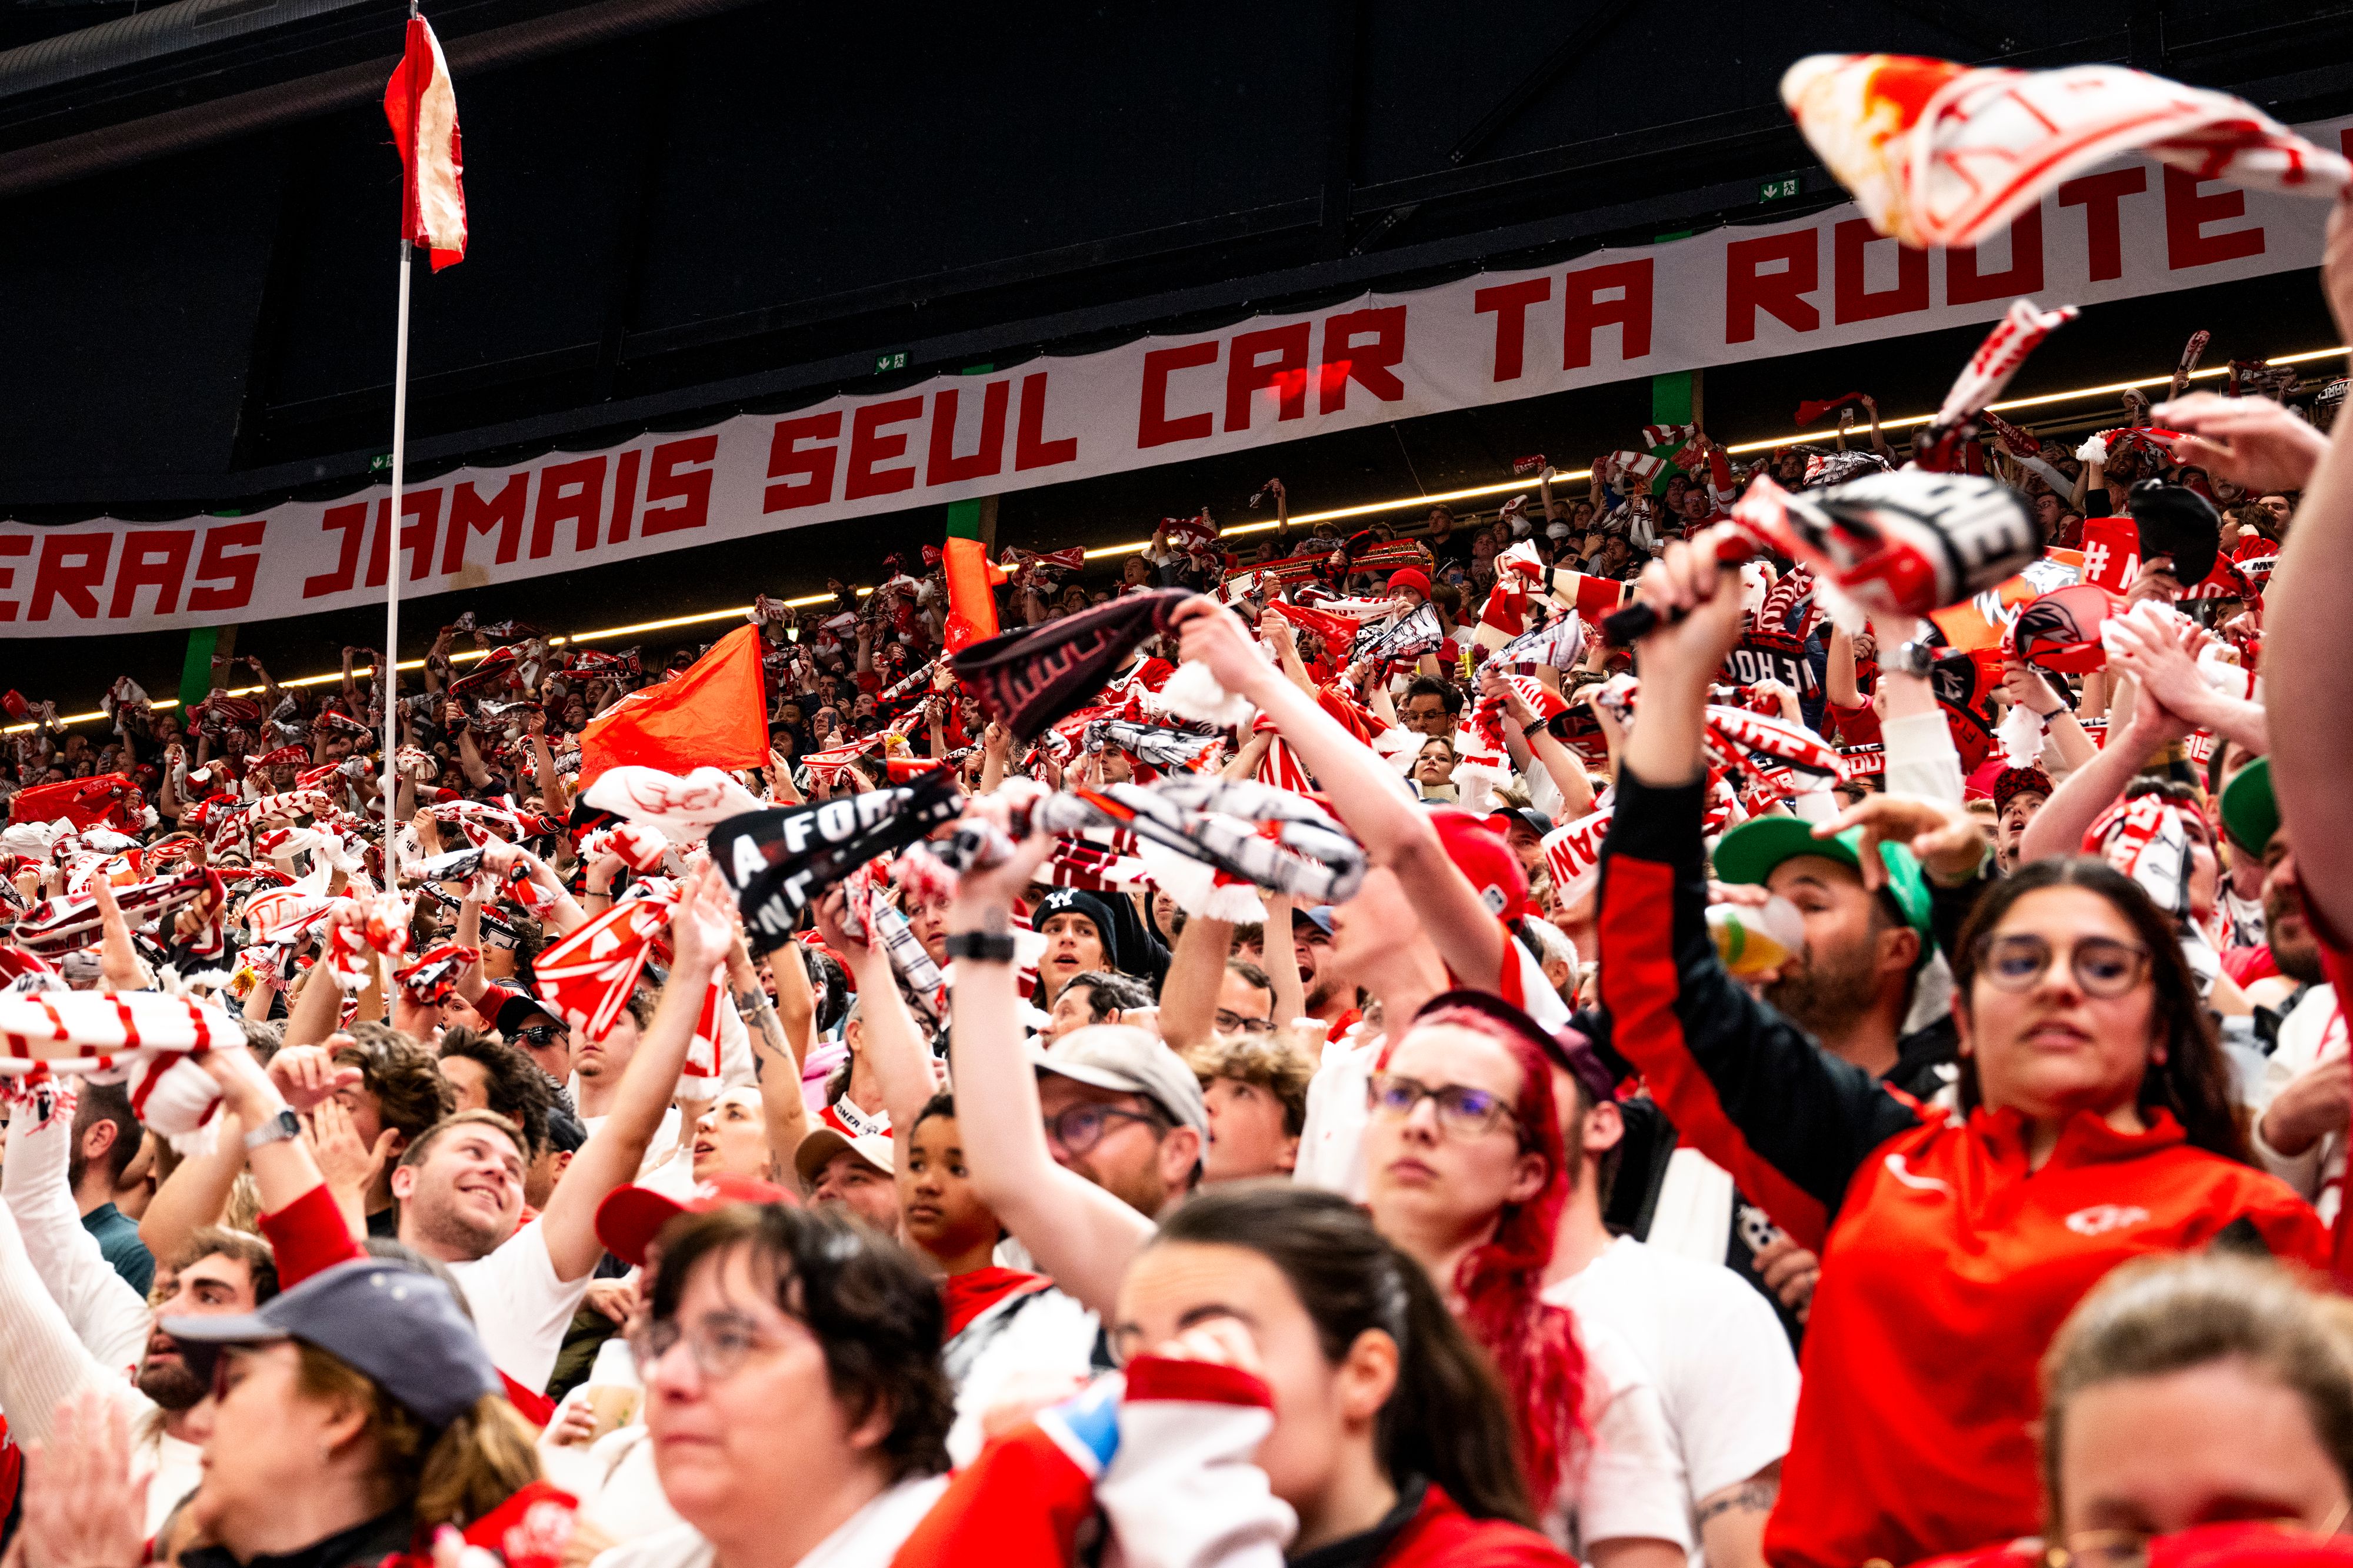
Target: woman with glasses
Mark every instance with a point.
(1465, 1172)
(794, 1396)
(2095, 1126)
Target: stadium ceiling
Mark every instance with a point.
(684, 206)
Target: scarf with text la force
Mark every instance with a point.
(779, 862)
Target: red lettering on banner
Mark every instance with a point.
(11, 544)
(1371, 365)
(691, 489)
(215, 565)
(988, 458)
(804, 476)
(1585, 311)
(1154, 427)
(1030, 447)
(1509, 304)
(573, 492)
(1249, 368)
(351, 520)
(416, 537)
(2098, 194)
(1965, 285)
(73, 566)
(152, 558)
(1749, 289)
(868, 446)
(625, 495)
(2186, 213)
(1851, 298)
(470, 514)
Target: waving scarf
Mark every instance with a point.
(779, 861)
(141, 1038)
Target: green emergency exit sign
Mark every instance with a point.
(1780, 188)
(885, 364)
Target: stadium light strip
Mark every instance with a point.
(1369, 509)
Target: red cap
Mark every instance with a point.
(1410, 578)
(632, 1215)
(1479, 853)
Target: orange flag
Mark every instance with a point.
(713, 714)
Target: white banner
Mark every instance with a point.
(1734, 294)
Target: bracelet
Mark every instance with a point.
(980, 946)
(1529, 728)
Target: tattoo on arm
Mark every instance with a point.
(1748, 1497)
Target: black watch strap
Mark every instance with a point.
(980, 946)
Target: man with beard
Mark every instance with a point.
(1851, 987)
(1331, 992)
(53, 1332)
(2305, 1095)
(461, 1186)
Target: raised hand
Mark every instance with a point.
(2249, 441)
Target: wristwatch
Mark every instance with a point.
(1912, 659)
(980, 946)
(277, 1129)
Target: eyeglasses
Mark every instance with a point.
(720, 1344)
(2130, 1548)
(1464, 1111)
(2102, 965)
(1233, 1023)
(1079, 1128)
(538, 1035)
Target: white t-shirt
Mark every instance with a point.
(869, 1538)
(1631, 1484)
(1713, 1349)
(521, 1309)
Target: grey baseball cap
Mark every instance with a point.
(1127, 1060)
(399, 1327)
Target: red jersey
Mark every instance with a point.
(1948, 1260)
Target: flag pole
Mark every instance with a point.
(387, 674)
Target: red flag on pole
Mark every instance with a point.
(423, 109)
(713, 713)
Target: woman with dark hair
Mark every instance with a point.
(1465, 1172)
(789, 1354)
(1364, 1423)
(2094, 1128)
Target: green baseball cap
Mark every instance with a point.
(2250, 811)
(1750, 851)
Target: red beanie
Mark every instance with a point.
(1410, 578)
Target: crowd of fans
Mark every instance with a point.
(1667, 1148)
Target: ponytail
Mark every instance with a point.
(1447, 1419)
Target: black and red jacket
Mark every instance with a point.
(1947, 1262)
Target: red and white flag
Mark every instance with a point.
(423, 109)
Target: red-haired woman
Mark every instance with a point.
(1465, 1172)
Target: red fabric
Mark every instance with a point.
(1343, 1023)
(309, 1236)
(1021, 1500)
(968, 1296)
(1442, 1536)
(105, 801)
(713, 714)
(2245, 965)
(1954, 1459)
(530, 1404)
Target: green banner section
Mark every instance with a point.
(197, 669)
(1671, 395)
(963, 516)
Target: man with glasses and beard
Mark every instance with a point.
(1125, 1111)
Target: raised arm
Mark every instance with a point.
(1197, 972)
(699, 930)
(2059, 828)
(894, 1046)
(775, 1059)
(1754, 1093)
(1077, 1232)
(1366, 796)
